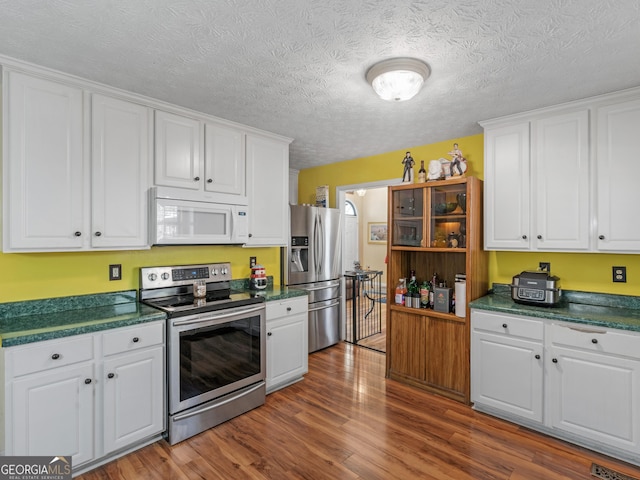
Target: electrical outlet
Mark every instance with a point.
(252, 262)
(619, 274)
(544, 266)
(115, 272)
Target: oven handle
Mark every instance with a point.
(182, 416)
(235, 313)
(324, 306)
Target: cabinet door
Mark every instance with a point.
(407, 352)
(268, 191)
(133, 397)
(287, 350)
(506, 374)
(595, 396)
(408, 218)
(506, 186)
(224, 160)
(560, 160)
(43, 166)
(177, 155)
(447, 367)
(53, 413)
(120, 161)
(618, 170)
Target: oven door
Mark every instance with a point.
(215, 353)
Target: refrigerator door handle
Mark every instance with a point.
(324, 307)
(313, 289)
(321, 244)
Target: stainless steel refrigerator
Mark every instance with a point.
(314, 257)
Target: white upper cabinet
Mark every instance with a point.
(44, 170)
(206, 158)
(59, 194)
(268, 190)
(120, 159)
(560, 174)
(506, 187)
(79, 158)
(563, 178)
(224, 159)
(177, 157)
(617, 174)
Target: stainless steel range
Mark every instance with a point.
(216, 341)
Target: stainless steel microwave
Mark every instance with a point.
(190, 222)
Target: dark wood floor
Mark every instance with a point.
(346, 421)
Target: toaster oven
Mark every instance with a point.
(536, 288)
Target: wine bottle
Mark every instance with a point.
(422, 173)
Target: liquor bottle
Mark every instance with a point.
(413, 291)
(424, 294)
(434, 284)
(422, 173)
(401, 291)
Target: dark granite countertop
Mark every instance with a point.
(37, 320)
(602, 310)
(272, 293)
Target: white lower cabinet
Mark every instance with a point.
(507, 364)
(593, 380)
(569, 380)
(287, 342)
(51, 413)
(86, 396)
(133, 398)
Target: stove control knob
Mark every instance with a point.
(165, 276)
(214, 272)
(224, 271)
(153, 277)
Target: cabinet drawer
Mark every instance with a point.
(595, 339)
(510, 325)
(49, 354)
(285, 308)
(133, 338)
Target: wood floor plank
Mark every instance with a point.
(346, 421)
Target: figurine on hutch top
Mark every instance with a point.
(407, 174)
(458, 162)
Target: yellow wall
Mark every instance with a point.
(577, 271)
(27, 276)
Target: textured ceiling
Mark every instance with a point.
(297, 67)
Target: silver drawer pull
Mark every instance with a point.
(587, 330)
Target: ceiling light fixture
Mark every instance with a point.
(398, 79)
(361, 192)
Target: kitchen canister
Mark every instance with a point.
(258, 278)
(461, 295)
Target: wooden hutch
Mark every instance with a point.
(434, 227)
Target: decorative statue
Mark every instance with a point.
(435, 170)
(458, 162)
(407, 174)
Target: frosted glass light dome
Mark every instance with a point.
(398, 79)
